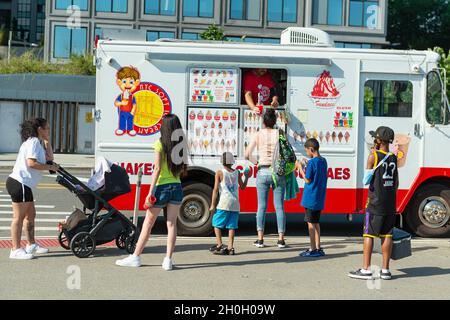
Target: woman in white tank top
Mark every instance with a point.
(265, 141)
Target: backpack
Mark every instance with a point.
(284, 159)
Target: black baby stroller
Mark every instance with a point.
(97, 228)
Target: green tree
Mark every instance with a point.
(213, 33)
(419, 24)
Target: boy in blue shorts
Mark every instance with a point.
(226, 216)
(313, 199)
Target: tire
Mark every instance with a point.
(131, 241)
(194, 218)
(64, 242)
(82, 245)
(428, 214)
(120, 240)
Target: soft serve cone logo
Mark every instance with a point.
(325, 94)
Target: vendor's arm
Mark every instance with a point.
(250, 102)
(275, 103)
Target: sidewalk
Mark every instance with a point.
(72, 162)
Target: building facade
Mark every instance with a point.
(72, 30)
(26, 18)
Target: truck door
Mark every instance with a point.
(394, 101)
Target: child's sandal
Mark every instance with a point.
(231, 252)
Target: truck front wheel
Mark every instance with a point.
(429, 212)
(194, 218)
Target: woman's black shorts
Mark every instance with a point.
(18, 191)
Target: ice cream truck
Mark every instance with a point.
(335, 95)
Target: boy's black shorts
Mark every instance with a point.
(312, 216)
(377, 226)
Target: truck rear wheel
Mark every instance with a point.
(429, 212)
(194, 218)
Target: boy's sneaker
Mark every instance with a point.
(215, 248)
(259, 243)
(281, 244)
(167, 264)
(222, 252)
(359, 274)
(322, 252)
(35, 248)
(130, 261)
(231, 252)
(20, 254)
(386, 275)
(311, 253)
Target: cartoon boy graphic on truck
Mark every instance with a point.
(128, 79)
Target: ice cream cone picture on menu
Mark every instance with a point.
(321, 136)
(333, 137)
(340, 136)
(315, 134)
(302, 136)
(400, 148)
(328, 136)
(308, 135)
(347, 136)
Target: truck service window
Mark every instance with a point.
(249, 81)
(388, 98)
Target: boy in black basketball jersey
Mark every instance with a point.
(380, 214)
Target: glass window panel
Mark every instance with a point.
(237, 9)
(79, 41)
(62, 4)
(120, 6)
(234, 39)
(320, 11)
(190, 8)
(274, 11)
(83, 4)
(289, 10)
(151, 7)
(371, 14)
(206, 8)
(253, 40)
(166, 34)
(388, 98)
(356, 13)
(189, 36)
(167, 7)
(339, 44)
(335, 12)
(253, 9)
(152, 35)
(61, 42)
(353, 45)
(103, 5)
(271, 40)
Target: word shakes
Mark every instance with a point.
(133, 168)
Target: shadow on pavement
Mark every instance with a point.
(422, 272)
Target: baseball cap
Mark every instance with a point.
(383, 133)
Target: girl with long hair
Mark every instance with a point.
(165, 190)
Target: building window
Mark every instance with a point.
(282, 11)
(253, 39)
(328, 12)
(160, 7)
(24, 19)
(113, 6)
(387, 98)
(155, 35)
(67, 42)
(363, 13)
(245, 9)
(352, 45)
(198, 8)
(64, 4)
(190, 36)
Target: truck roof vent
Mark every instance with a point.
(306, 37)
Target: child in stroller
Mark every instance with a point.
(98, 228)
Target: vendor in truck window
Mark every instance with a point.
(259, 89)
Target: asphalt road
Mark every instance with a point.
(268, 273)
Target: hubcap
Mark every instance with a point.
(194, 211)
(434, 212)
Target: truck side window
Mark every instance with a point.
(388, 98)
(434, 112)
(278, 88)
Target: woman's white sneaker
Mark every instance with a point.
(35, 248)
(130, 261)
(20, 254)
(167, 264)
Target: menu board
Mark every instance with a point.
(253, 123)
(213, 85)
(213, 131)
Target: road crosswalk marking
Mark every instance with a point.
(56, 213)
(37, 206)
(36, 220)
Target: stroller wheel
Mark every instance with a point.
(82, 244)
(120, 240)
(130, 243)
(63, 240)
